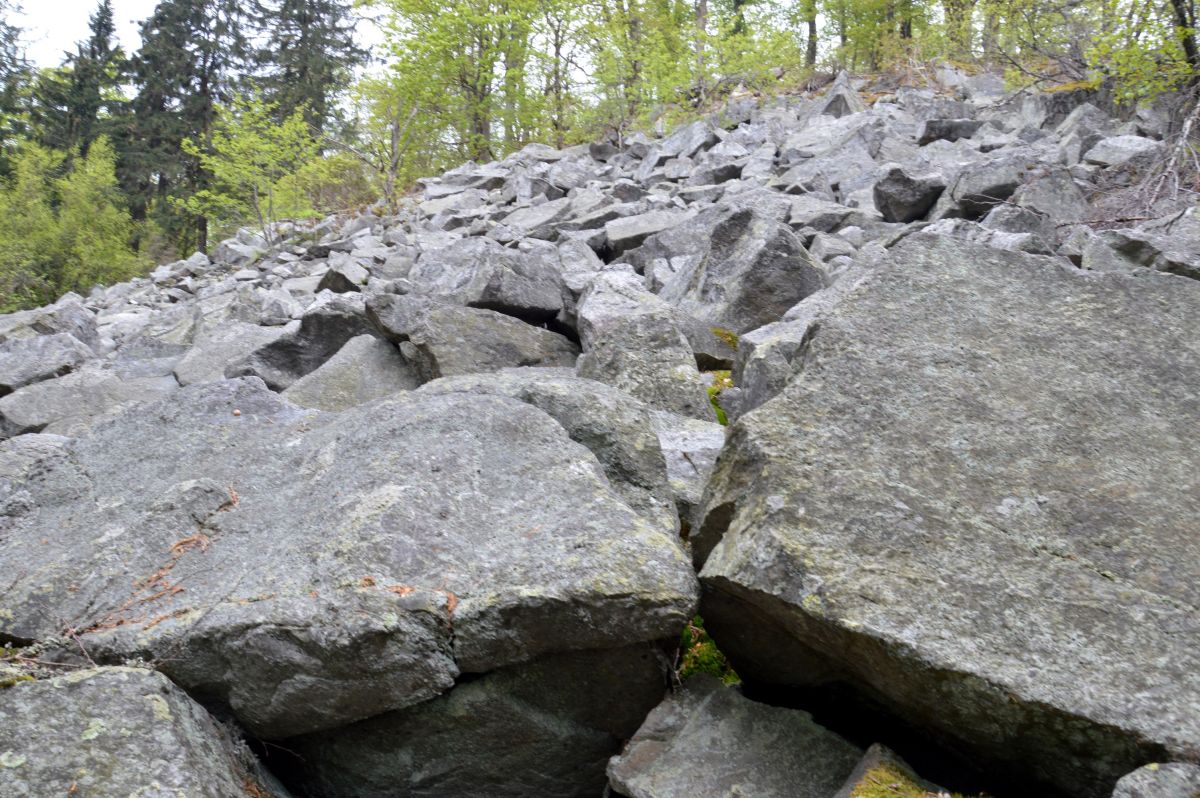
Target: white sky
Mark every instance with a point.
(52, 27)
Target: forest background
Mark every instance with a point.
(243, 113)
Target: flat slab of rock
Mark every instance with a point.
(708, 740)
(71, 404)
(116, 732)
(28, 360)
(980, 510)
(308, 570)
(442, 340)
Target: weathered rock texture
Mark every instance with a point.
(977, 504)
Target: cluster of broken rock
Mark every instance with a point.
(419, 504)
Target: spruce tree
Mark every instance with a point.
(309, 56)
(192, 51)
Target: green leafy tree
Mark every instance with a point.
(250, 156)
(30, 245)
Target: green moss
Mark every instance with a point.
(890, 780)
(701, 655)
(720, 381)
(727, 337)
(15, 679)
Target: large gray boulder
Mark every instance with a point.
(632, 342)
(443, 340)
(618, 429)
(216, 348)
(902, 197)
(321, 333)
(545, 729)
(709, 740)
(71, 404)
(303, 571)
(481, 273)
(365, 369)
(67, 315)
(118, 732)
(750, 271)
(999, 546)
(28, 360)
(1169, 245)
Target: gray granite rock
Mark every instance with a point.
(366, 368)
(71, 404)
(28, 360)
(1169, 780)
(215, 349)
(708, 740)
(998, 551)
(303, 571)
(901, 197)
(442, 340)
(118, 732)
(632, 342)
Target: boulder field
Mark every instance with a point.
(419, 503)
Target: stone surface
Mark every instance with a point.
(216, 349)
(441, 340)
(632, 342)
(1119, 151)
(483, 274)
(618, 429)
(28, 360)
(366, 368)
(1170, 780)
(901, 197)
(299, 351)
(117, 732)
(546, 729)
(630, 231)
(303, 571)
(690, 448)
(71, 404)
(708, 740)
(1000, 551)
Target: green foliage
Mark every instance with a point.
(891, 780)
(720, 381)
(62, 233)
(699, 654)
(252, 160)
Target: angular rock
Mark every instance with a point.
(215, 349)
(978, 189)
(344, 277)
(631, 341)
(303, 571)
(481, 273)
(947, 130)
(750, 271)
(767, 752)
(538, 221)
(28, 360)
(117, 732)
(546, 728)
(1005, 587)
(630, 231)
(71, 404)
(881, 768)
(901, 197)
(441, 340)
(690, 448)
(841, 99)
(321, 333)
(1120, 151)
(366, 368)
(1170, 780)
(1171, 245)
(65, 316)
(618, 429)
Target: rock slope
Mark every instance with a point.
(418, 504)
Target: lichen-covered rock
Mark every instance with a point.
(28, 360)
(306, 570)
(961, 509)
(71, 404)
(442, 340)
(708, 740)
(118, 732)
